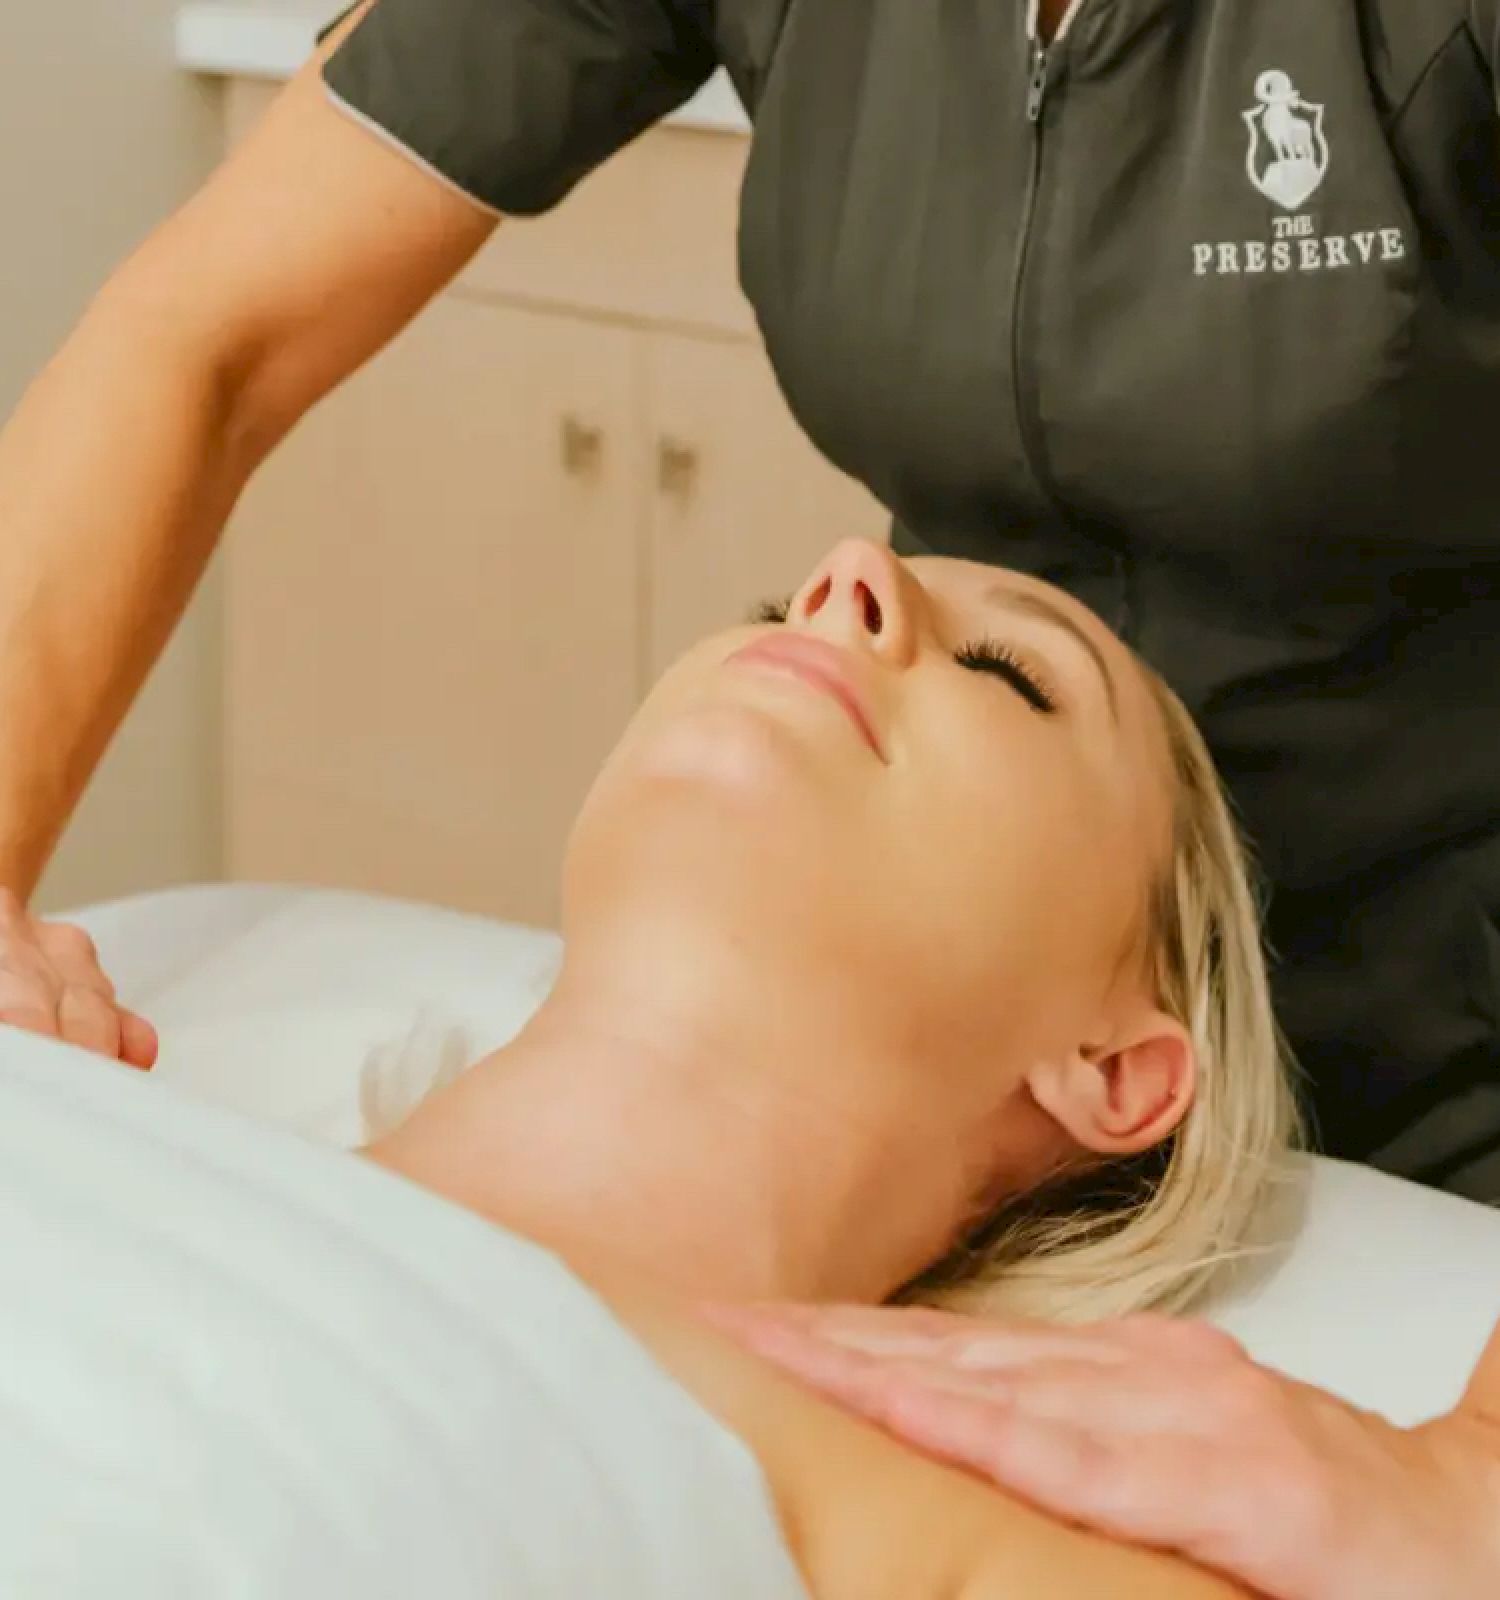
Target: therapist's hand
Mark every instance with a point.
(1165, 1433)
(51, 983)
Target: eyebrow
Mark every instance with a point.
(1043, 609)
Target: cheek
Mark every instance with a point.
(1020, 859)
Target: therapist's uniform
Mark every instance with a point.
(1196, 313)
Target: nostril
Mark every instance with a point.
(819, 597)
(874, 621)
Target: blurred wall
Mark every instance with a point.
(101, 135)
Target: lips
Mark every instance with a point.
(819, 664)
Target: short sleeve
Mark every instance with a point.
(514, 101)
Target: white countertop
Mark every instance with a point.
(272, 38)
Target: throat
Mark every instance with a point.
(727, 1183)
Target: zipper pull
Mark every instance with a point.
(1037, 89)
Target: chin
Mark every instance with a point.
(744, 761)
(720, 805)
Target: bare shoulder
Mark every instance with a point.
(868, 1519)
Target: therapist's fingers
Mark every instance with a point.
(855, 1323)
(1064, 1434)
(917, 1333)
(87, 1019)
(27, 1004)
(29, 986)
(1075, 1394)
(74, 957)
(1070, 1382)
(139, 1046)
(51, 983)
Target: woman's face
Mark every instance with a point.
(931, 800)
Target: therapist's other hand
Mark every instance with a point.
(1165, 1433)
(51, 983)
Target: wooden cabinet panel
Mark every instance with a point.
(434, 613)
(744, 505)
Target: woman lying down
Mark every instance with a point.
(908, 952)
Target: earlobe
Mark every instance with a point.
(1125, 1097)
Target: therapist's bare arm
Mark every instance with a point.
(304, 254)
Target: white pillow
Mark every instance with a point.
(339, 1074)
(333, 1013)
(1383, 1292)
(328, 1013)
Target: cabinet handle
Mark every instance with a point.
(582, 446)
(676, 466)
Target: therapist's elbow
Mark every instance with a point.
(140, 335)
(205, 351)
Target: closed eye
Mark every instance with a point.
(989, 655)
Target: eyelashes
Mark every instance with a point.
(981, 655)
(990, 655)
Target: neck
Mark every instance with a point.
(632, 1129)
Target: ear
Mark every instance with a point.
(1126, 1096)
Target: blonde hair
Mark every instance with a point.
(1152, 1232)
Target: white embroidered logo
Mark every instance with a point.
(1288, 155)
(1287, 162)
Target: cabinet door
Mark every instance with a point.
(433, 617)
(744, 505)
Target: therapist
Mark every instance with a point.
(1193, 309)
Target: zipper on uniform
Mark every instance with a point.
(1036, 90)
(1029, 429)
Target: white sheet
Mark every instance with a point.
(235, 1363)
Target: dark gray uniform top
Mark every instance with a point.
(1196, 314)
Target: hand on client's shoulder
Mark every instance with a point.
(1165, 1433)
(51, 983)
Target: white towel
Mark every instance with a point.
(237, 1363)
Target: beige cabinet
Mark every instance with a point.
(450, 587)
(433, 633)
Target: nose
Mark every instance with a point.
(860, 595)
